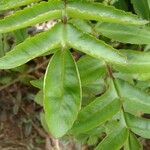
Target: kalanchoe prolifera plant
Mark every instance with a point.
(105, 72)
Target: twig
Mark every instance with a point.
(56, 144)
(22, 76)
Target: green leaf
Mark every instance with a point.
(141, 8)
(92, 140)
(62, 93)
(124, 33)
(132, 143)
(32, 47)
(148, 3)
(137, 62)
(9, 4)
(139, 126)
(37, 83)
(82, 25)
(130, 76)
(90, 69)
(115, 140)
(121, 4)
(97, 112)
(92, 46)
(20, 35)
(100, 12)
(31, 15)
(134, 99)
(43, 122)
(2, 51)
(39, 98)
(4, 44)
(92, 90)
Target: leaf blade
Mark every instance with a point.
(92, 46)
(139, 126)
(137, 62)
(133, 98)
(32, 47)
(62, 98)
(114, 140)
(124, 33)
(29, 16)
(100, 12)
(89, 118)
(141, 8)
(133, 143)
(9, 4)
(90, 69)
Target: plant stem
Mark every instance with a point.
(23, 75)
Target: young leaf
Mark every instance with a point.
(9, 4)
(137, 62)
(115, 140)
(134, 99)
(139, 126)
(124, 33)
(100, 12)
(132, 143)
(92, 46)
(62, 93)
(97, 112)
(31, 15)
(32, 47)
